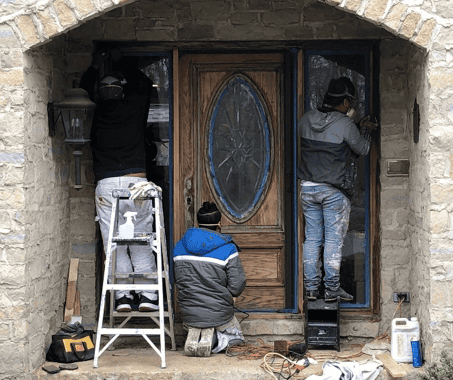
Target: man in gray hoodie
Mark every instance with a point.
(329, 143)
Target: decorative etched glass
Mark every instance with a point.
(239, 148)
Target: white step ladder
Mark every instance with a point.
(158, 245)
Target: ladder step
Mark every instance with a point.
(136, 239)
(140, 314)
(104, 331)
(128, 275)
(131, 287)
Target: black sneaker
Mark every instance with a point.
(332, 295)
(147, 305)
(313, 295)
(123, 304)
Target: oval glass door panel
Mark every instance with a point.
(239, 148)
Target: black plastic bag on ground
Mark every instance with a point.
(72, 343)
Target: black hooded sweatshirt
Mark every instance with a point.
(117, 134)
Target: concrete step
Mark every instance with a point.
(144, 364)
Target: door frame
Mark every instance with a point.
(294, 100)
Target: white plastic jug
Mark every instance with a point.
(403, 330)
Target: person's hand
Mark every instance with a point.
(368, 123)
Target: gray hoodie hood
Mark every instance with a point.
(320, 121)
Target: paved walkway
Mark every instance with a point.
(144, 364)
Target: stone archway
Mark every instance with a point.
(26, 32)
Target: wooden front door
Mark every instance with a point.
(230, 150)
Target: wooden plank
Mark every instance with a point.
(77, 304)
(253, 240)
(265, 298)
(263, 264)
(392, 367)
(71, 289)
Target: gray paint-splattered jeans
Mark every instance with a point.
(140, 258)
(326, 210)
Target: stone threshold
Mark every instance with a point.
(144, 364)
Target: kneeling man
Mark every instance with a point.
(209, 275)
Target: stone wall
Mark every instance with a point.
(395, 244)
(419, 189)
(35, 213)
(14, 258)
(44, 221)
(440, 197)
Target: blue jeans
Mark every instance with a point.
(141, 257)
(326, 211)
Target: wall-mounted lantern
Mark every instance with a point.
(76, 112)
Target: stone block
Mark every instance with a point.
(244, 18)
(48, 23)
(318, 12)
(4, 331)
(195, 32)
(13, 358)
(14, 77)
(298, 33)
(78, 63)
(287, 5)
(27, 29)
(440, 165)
(410, 24)
(393, 18)
(424, 35)
(259, 5)
(352, 5)
(288, 327)
(375, 10)
(394, 148)
(283, 17)
(210, 11)
(257, 327)
(439, 221)
(440, 137)
(11, 59)
(119, 30)
(167, 34)
(357, 328)
(13, 275)
(441, 293)
(165, 10)
(65, 14)
(84, 7)
(249, 32)
(5, 222)
(395, 198)
(8, 38)
(441, 193)
(14, 197)
(89, 31)
(14, 176)
(239, 5)
(20, 329)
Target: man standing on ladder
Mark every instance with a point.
(329, 144)
(118, 148)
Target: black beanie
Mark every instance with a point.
(208, 214)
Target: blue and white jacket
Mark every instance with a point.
(208, 274)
